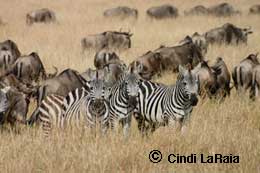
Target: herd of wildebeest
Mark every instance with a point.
(23, 77)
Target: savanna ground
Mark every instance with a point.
(232, 127)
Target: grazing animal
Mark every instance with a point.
(123, 99)
(162, 12)
(9, 53)
(110, 40)
(207, 79)
(160, 105)
(103, 58)
(121, 12)
(186, 53)
(12, 81)
(223, 77)
(254, 90)
(198, 10)
(14, 106)
(84, 106)
(29, 68)
(223, 10)
(148, 65)
(255, 9)
(68, 80)
(228, 34)
(243, 72)
(43, 15)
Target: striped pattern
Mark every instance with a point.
(159, 104)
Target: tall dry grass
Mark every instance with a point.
(232, 127)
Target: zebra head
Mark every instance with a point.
(4, 103)
(188, 83)
(131, 82)
(97, 89)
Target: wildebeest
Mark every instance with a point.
(111, 40)
(197, 10)
(228, 34)
(223, 77)
(207, 78)
(199, 40)
(121, 12)
(255, 9)
(68, 80)
(186, 53)
(254, 90)
(223, 10)
(29, 68)
(148, 65)
(9, 53)
(43, 15)
(16, 109)
(162, 12)
(243, 72)
(104, 57)
(12, 81)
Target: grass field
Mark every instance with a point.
(232, 127)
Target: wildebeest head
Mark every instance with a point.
(190, 84)
(253, 58)
(245, 33)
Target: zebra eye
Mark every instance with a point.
(184, 83)
(91, 88)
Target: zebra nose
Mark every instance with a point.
(193, 99)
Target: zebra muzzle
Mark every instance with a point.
(193, 99)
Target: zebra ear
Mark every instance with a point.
(181, 69)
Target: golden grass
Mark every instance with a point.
(232, 127)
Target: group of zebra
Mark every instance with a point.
(98, 105)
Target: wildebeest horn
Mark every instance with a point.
(256, 54)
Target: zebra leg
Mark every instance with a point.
(126, 122)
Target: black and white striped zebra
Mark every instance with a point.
(83, 106)
(123, 99)
(87, 106)
(159, 104)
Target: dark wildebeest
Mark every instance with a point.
(228, 34)
(121, 12)
(223, 10)
(9, 53)
(104, 57)
(242, 73)
(255, 9)
(186, 53)
(40, 16)
(111, 40)
(148, 65)
(198, 10)
(110, 73)
(207, 78)
(12, 81)
(223, 78)
(68, 80)
(254, 90)
(16, 106)
(29, 68)
(199, 40)
(162, 12)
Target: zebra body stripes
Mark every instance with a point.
(123, 99)
(83, 106)
(159, 104)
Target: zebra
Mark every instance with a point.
(88, 105)
(82, 105)
(159, 104)
(123, 99)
